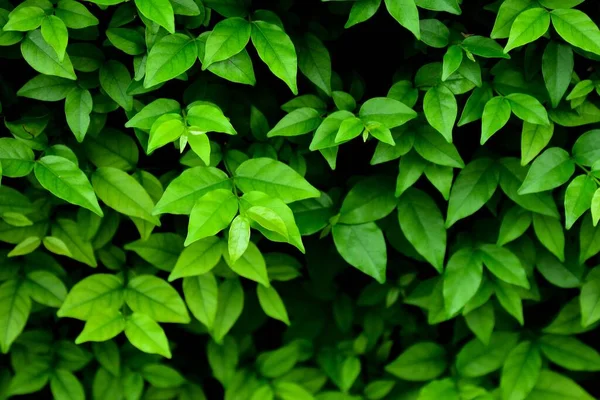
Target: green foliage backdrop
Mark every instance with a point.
(299, 200)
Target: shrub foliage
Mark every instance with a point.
(296, 200)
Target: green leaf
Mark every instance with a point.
(102, 326)
(123, 193)
(589, 240)
(422, 361)
(273, 178)
(450, 6)
(423, 225)
(239, 237)
(197, 259)
(78, 107)
(46, 288)
(114, 79)
(298, 122)
(362, 11)
(227, 39)
(504, 265)
(275, 48)
(230, 305)
(25, 247)
(166, 129)
(68, 232)
(170, 57)
(508, 11)
(209, 118)
(387, 111)
(363, 247)
(481, 322)
(147, 335)
(201, 297)
(314, 62)
(434, 33)
(212, 213)
(159, 11)
(452, 60)
(578, 198)
(406, 13)
(66, 181)
(250, 265)
(369, 200)
(521, 371)
(15, 307)
(42, 57)
(551, 169)
(349, 129)
(509, 297)
(472, 189)
(576, 28)
(570, 353)
(462, 278)
(557, 68)
(65, 385)
(529, 26)
(430, 145)
(533, 140)
(160, 249)
(112, 149)
(127, 40)
(528, 108)
(146, 117)
(193, 183)
(475, 105)
(24, 19)
(550, 233)
(94, 295)
(271, 303)
(152, 296)
(483, 47)
(496, 114)
(553, 386)
(589, 300)
(75, 15)
(440, 109)
(16, 157)
(586, 149)
(46, 88)
(55, 34)
(477, 359)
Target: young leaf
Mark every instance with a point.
(389, 112)
(239, 237)
(78, 107)
(452, 60)
(362, 11)
(533, 140)
(298, 122)
(212, 213)
(578, 198)
(102, 326)
(197, 259)
(55, 34)
(93, 295)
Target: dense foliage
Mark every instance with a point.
(296, 200)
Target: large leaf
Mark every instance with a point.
(42, 57)
(169, 57)
(155, 298)
(521, 371)
(65, 180)
(15, 307)
(227, 38)
(577, 28)
(423, 225)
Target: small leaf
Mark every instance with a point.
(212, 213)
(521, 371)
(171, 56)
(551, 169)
(441, 110)
(406, 13)
(271, 303)
(496, 114)
(504, 265)
(422, 361)
(529, 26)
(159, 11)
(462, 278)
(227, 38)
(147, 335)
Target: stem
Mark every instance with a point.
(589, 173)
